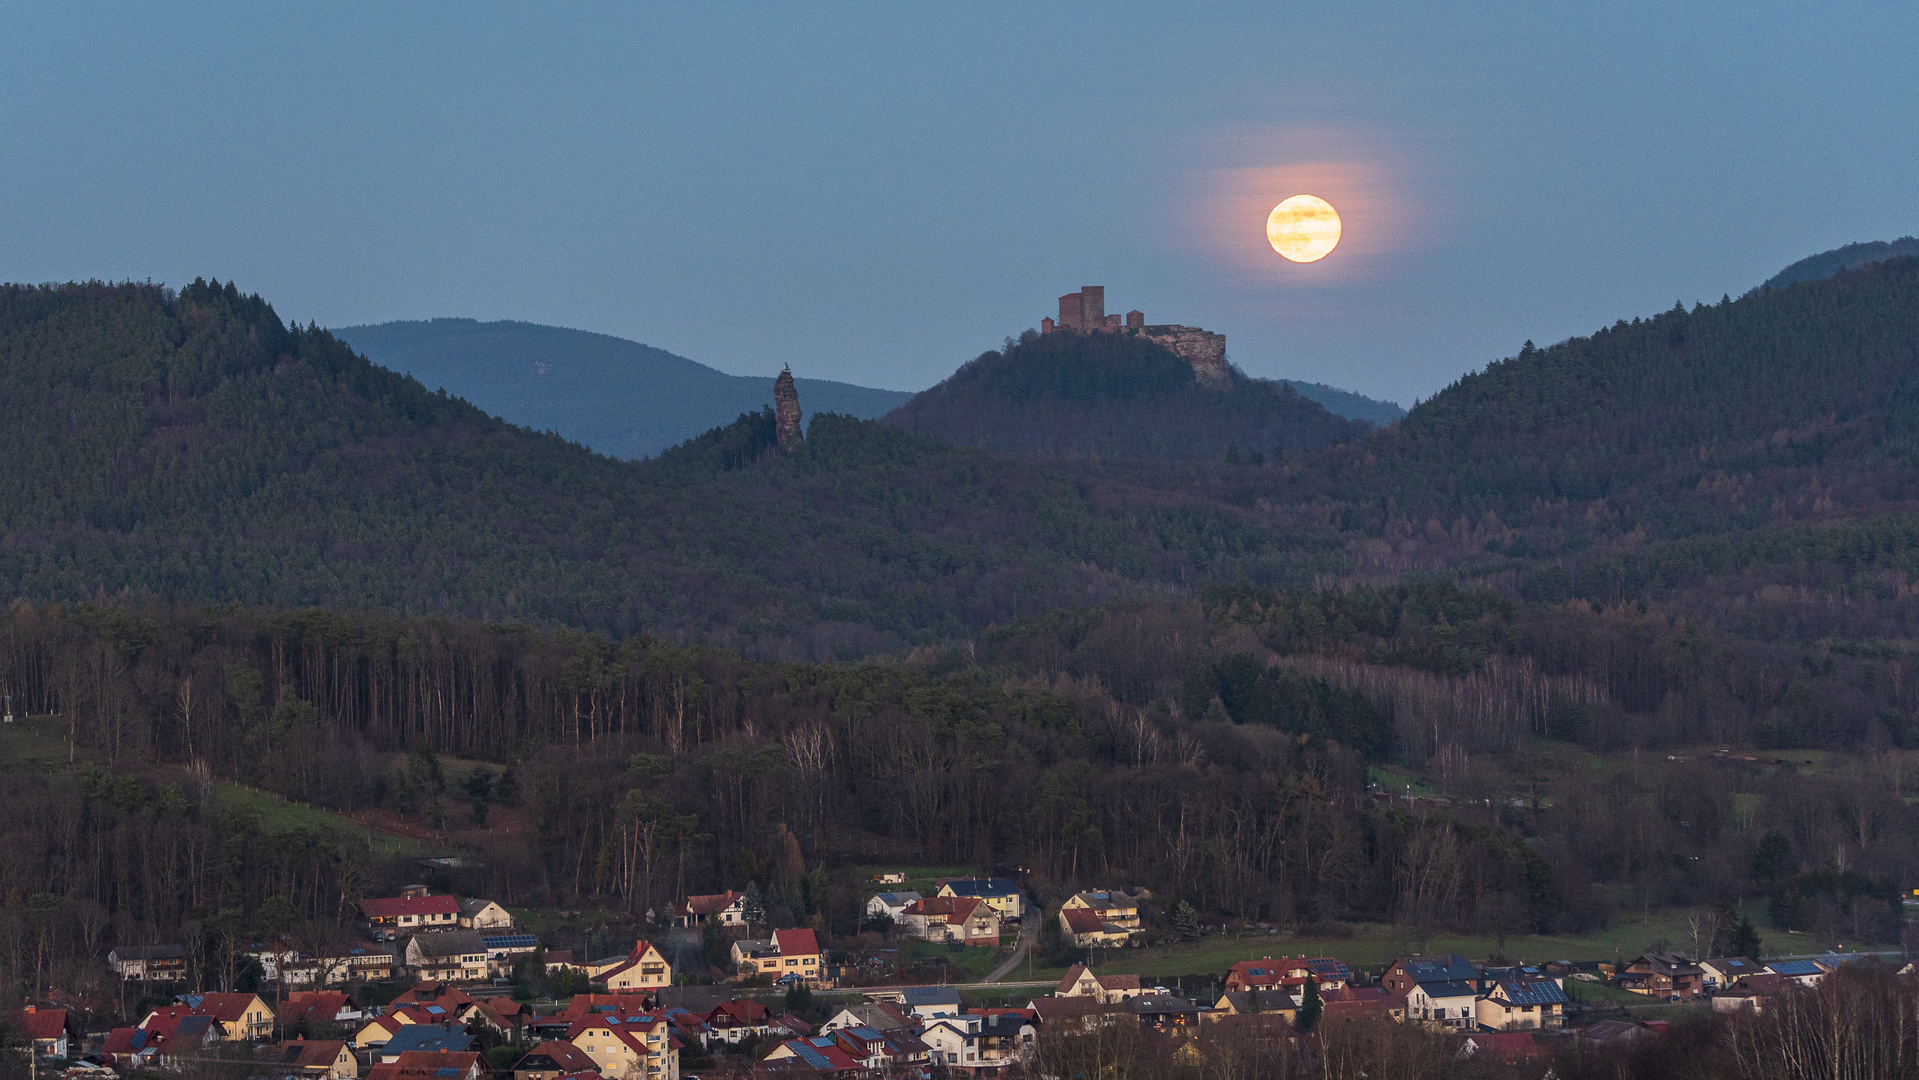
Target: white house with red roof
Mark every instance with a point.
(727, 909)
(390, 916)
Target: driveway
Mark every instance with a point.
(1028, 937)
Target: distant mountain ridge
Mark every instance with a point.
(619, 397)
(1348, 404)
(1850, 257)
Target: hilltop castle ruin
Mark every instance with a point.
(1085, 312)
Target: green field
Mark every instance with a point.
(919, 879)
(38, 742)
(1373, 947)
(277, 815)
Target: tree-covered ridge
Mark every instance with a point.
(1114, 396)
(194, 448)
(1847, 257)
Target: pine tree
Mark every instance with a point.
(753, 905)
(1309, 1007)
(1186, 921)
(1745, 939)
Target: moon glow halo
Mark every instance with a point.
(1304, 228)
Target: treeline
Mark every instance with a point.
(626, 773)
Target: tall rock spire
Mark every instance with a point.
(786, 411)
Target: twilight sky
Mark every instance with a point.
(877, 193)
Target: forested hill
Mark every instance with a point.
(1114, 396)
(619, 397)
(194, 449)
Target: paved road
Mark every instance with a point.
(1028, 937)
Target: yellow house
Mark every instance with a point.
(242, 1017)
(645, 968)
(639, 1049)
(322, 1059)
(1108, 907)
(999, 893)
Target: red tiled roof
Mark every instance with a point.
(390, 907)
(710, 904)
(1082, 921)
(40, 1023)
(564, 1056)
(311, 1053)
(796, 942)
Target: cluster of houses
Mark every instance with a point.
(637, 1028)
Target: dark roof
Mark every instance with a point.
(1449, 988)
(412, 1037)
(510, 941)
(998, 886)
(699, 999)
(388, 907)
(1159, 1005)
(1244, 1001)
(1454, 968)
(450, 943)
(930, 995)
(1533, 992)
(1795, 968)
(150, 952)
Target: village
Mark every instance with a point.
(434, 987)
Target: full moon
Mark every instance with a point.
(1304, 228)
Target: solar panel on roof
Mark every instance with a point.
(446, 1072)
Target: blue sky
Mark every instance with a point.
(877, 193)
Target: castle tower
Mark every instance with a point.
(1092, 307)
(786, 411)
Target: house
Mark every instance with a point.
(1083, 928)
(179, 1032)
(478, 914)
(381, 1029)
(503, 951)
(1723, 971)
(733, 1021)
(1105, 989)
(241, 1017)
(396, 916)
(644, 968)
(1069, 1015)
(429, 1065)
(1401, 975)
(352, 961)
(1288, 972)
(1617, 1032)
(1108, 906)
(553, 1059)
(965, 919)
(794, 954)
(727, 909)
(881, 1016)
(1528, 1004)
(434, 992)
(448, 956)
(638, 1046)
(1000, 893)
(893, 905)
(1799, 972)
(1362, 1003)
(149, 963)
(558, 960)
(318, 1010)
(747, 954)
(130, 1048)
(1665, 975)
(1505, 1047)
(819, 1055)
(322, 1059)
(1443, 1004)
(425, 1039)
(953, 1042)
(1749, 992)
(1164, 1012)
(927, 1003)
(1007, 1037)
(1253, 1003)
(45, 1029)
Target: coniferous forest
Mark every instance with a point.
(1634, 611)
